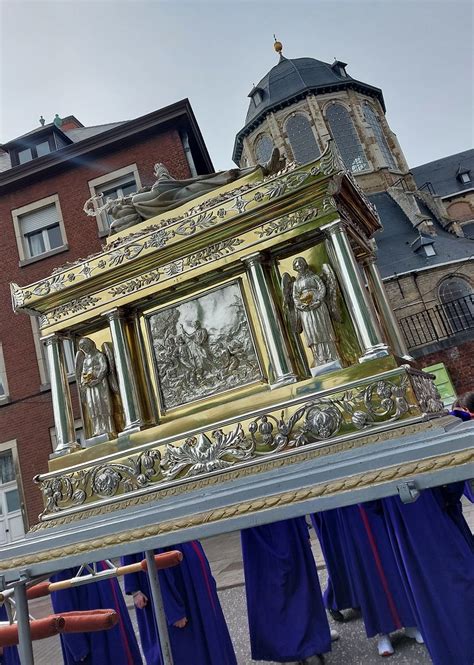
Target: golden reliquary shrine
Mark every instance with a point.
(232, 322)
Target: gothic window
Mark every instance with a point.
(376, 127)
(301, 138)
(263, 148)
(457, 298)
(345, 135)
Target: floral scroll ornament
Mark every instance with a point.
(103, 481)
(200, 455)
(319, 420)
(324, 418)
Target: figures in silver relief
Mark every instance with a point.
(311, 301)
(96, 379)
(203, 346)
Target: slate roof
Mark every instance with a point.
(75, 135)
(442, 173)
(81, 133)
(395, 253)
(291, 79)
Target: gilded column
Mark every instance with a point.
(392, 329)
(127, 381)
(61, 397)
(363, 317)
(272, 327)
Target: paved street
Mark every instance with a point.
(224, 555)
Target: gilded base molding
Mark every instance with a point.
(348, 484)
(375, 403)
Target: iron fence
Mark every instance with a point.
(439, 322)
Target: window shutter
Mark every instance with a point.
(39, 219)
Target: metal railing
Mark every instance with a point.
(439, 322)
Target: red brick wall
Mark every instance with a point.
(29, 415)
(459, 361)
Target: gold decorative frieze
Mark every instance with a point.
(373, 404)
(203, 259)
(249, 200)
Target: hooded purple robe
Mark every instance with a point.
(436, 563)
(340, 593)
(117, 646)
(10, 654)
(188, 590)
(286, 615)
(373, 569)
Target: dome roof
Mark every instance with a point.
(292, 79)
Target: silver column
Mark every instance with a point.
(61, 397)
(272, 327)
(363, 317)
(127, 381)
(157, 600)
(23, 622)
(394, 334)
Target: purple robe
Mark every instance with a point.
(449, 498)
(188, 590)
(437, 569)
(340, 593)
(468, 491)
(464, 416)
(117, 646)
(286, 615)
(373, 569)
(10, 654)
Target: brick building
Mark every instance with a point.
(45, 178)
(430, 278)
(426, 249)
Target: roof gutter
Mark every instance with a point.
(396, 275)
(123, 131)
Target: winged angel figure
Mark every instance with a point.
(97, 379)
(311, 303)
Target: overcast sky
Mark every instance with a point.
(113, 60)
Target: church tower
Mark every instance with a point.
(301, 103)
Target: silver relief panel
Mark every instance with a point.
(203, 346)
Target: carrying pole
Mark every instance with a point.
(23, 621)
(160, 617)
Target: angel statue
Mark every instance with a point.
(97, 379)
(310, 302)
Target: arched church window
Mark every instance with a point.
(457, 298)
(376, 127)
(263, 148)
(345, 135)
(301, 138)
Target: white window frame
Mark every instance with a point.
(12, 445)
(18, 213)
(4, 397)
(78, 429)
(104, 181)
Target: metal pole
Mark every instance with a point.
(23, 622)
(160, 617)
